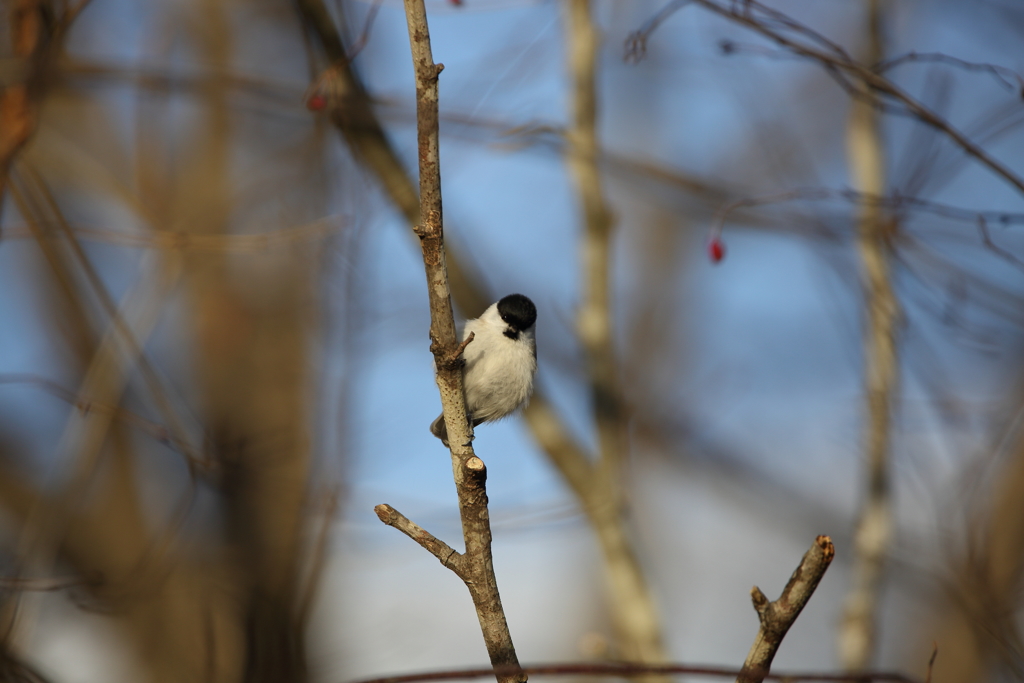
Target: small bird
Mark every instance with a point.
(500, 362)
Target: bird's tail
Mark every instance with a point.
(439, 429)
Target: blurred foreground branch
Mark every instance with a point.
(977, 627)
(19, 85)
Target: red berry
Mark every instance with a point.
(316, 102)
(716, 250)
(457, 3)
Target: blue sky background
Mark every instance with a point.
(754, 375)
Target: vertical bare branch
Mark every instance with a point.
(594, 324)
(777, 617)
(874, 527)
(634, 614)
(470, 474)
(635, 618)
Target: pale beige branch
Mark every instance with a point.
(872, 536)
(634, 614)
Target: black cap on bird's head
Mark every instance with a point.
(518, 312)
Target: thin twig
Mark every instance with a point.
(364, 35)
(777, 617)
(631, 670)
(636, 42)
(986, 239)
(86, 405)
(157, 388)
(892, 202)
(931, 663)
(448, 556)
(461, 347)
(1008, 77)
(44, 585)
(185, 241)
(835, 60)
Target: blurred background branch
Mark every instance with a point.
(873, 533)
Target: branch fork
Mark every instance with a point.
(777, 617)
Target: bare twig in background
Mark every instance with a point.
(635, 617)
(15, 583)
(158, 431)
(1008, 77)
(354, 115)
(359, 125)
(858, 630)
(639, 670)
(159, 391)
(885, 94)
(475, 567)
(778, 616)
(85, 433)
(893, 203)
(184, 241)
(636, 42)
(931, 664)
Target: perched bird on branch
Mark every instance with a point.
(500, 362)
